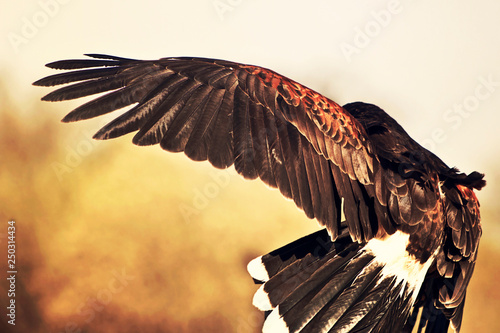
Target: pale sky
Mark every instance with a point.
(432, 65)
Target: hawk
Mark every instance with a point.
(404, 254)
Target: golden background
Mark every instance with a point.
(114, 237)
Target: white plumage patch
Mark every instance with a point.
(261, 300)
(274, 323)
(391, 253)
(257, 270)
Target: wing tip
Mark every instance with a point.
(70, 118)
(53, 97)
(41, 83)
(257, 269)
(275, 323)
(101, 135)
(261, 300)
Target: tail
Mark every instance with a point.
(316, 285)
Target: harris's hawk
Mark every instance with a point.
(406, 251)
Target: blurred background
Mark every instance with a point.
(113, 237)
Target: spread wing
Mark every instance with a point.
(268, 126)
(292, 138)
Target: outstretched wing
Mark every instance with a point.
(293, 138)
(265, 124)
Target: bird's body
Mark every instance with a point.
(406, 251)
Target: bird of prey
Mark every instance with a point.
(406, 251)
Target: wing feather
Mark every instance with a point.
(196, 138)
(269, 126)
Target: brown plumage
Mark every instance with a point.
(315, 152)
